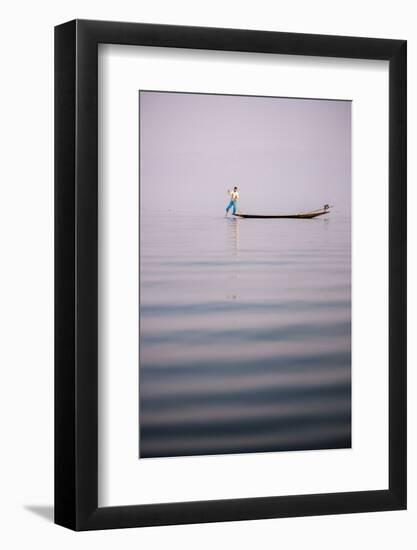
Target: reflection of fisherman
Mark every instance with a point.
(234, 196)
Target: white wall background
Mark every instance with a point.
(26, 289)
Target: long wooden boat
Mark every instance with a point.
(301, 216)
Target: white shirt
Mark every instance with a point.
(234, 195)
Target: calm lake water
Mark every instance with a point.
(245, 334)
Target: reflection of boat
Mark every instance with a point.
(302, 216)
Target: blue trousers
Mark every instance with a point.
(232, 204)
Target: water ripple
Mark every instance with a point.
(245, 335)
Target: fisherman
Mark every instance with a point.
(234, 196)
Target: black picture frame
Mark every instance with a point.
(76, 273)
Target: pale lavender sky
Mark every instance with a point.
(285, 155)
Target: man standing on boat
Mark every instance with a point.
(234, 196)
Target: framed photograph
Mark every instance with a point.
(230, 275)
